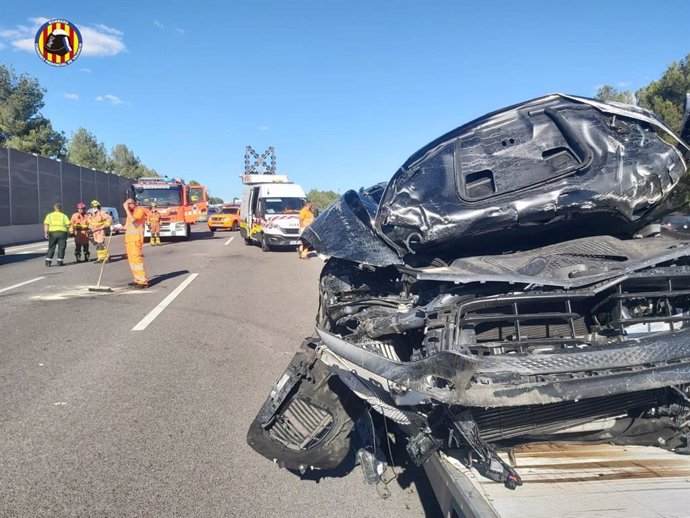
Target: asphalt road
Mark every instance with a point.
(97, 419)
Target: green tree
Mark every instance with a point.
(322, 199)
(124, 162)
(193, 183)
(666, 96)
(608, 93)
(215, 200)
(22, 126)
(85, 150)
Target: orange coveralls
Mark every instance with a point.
(99, 221)
(154, 221)
(306, 218)
(134, 243)
(79, 224)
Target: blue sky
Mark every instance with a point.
(345, 90)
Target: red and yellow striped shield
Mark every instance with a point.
(58, 42)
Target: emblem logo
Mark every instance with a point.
(58, 42)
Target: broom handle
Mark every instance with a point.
(107, 249)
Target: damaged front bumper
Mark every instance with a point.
(502, 288)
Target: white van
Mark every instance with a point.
(269, 211)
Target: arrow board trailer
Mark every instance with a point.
(269, 211)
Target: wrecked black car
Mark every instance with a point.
(509, 284)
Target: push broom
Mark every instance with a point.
(98, 287)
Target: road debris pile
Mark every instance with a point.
(508, 285)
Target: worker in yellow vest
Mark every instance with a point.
(55, 227)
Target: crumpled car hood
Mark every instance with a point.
(558, 165)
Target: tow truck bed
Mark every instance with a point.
(568, 481)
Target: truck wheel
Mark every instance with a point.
(189, 232)
(264, 244)
(247, 241)
(213, 230)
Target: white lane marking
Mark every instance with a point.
(229, 241)
(33, 251)
(143, 324)
(24, 247)
(21, 284)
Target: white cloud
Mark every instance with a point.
(112, 99)
(181, 31)
(86, 70)
(159, 25)
(263, 128)
(99, 39)
(71, 96)
(108, 30)
(102, 41)
(26, 44)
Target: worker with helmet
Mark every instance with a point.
(98, 222)
(134, 242)
(79, 227)
(153, 220)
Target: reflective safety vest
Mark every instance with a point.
(306, 218)
(154, 216)
(79, 223)
(57, 222)
(134, 227)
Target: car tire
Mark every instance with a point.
(213, 230)
(235, 226)
(264, 244)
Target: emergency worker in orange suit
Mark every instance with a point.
(306, 218)
(154, 222)
(79, 226)
(134, 242)
(98, 222)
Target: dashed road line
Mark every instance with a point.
(144, 322)
(23, 247)
(229, 241)
(26, 252)
(20, 284)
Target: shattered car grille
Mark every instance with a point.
(547, 321)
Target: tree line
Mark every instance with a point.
(665, 96)
(23, 127)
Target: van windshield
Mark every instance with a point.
(283, 205)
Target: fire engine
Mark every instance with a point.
(179, 204)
